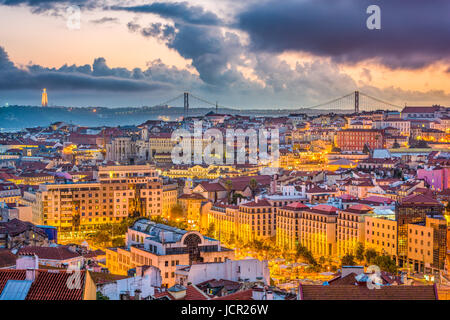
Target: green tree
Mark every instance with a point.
(366, 149)
(385, 263)
(75, 222)
(100, 296)
(102, 237)
(304, 253)
(348, 260)
(253, 185)
(360, 251)
(118, 242)
(229, 187)
(177, 212)
(211, 229)
(370, 255)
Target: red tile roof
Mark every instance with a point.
(48, 284)
(259, 203)
(212, 186)
(419, 199)
(194, 293)
(240, 295)
(50, 253)
(362, 292)
(7, 259)
(295, 206)
(325, 208)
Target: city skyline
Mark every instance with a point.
(252, 55)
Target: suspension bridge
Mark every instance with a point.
(356, 101)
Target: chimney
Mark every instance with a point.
(31, 274)
(27, 262)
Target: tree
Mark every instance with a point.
(304, 253)
(100, 296)
(370, 255)
(253, 185)
(348, 260)
(237, 196)
(360, 251)
(366, 149)
(385, 263)
(211, 229)
(75, 222)
(101, 237)
(447, 207)
(177, 212)
(118, 242)
(229, 187)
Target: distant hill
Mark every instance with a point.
(19, 117)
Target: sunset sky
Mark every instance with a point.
(245, 54)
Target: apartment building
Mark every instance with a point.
(288, 225)
(318, 229)
(403, 126)
(351, 228)
(224, 219)
(119, 191)
(164, 247)
(169, 198)
(381, 235)
(427, 245)
(256, 220)
(356, 139)
(414, 209)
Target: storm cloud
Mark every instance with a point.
(99, 78)
(179, 11)
(413, 33)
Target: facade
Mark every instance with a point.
(169, 198)
(224, 218)
(250, 270)
(119, 191)
(9, 192)
(288, 222)
(401, 125)
(438, 178)
(256, 221)
(356, 139)
(381, 235)
(351, 228)
(318, 230)
(415, 209)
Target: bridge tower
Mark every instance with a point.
(186, 104)
(356, 101)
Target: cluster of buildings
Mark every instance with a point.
(376, 180)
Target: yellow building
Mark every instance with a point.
(256, 221)
(318, 229)
(351, 228)
(121, 190)
(191, 204)
(209, 172)
(169, 198)
(224, 219)
(381, 235)
(288, 225)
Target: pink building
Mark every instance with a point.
(437, 179)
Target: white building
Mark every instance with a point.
(249, 270)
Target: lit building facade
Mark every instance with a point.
(165, 247)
